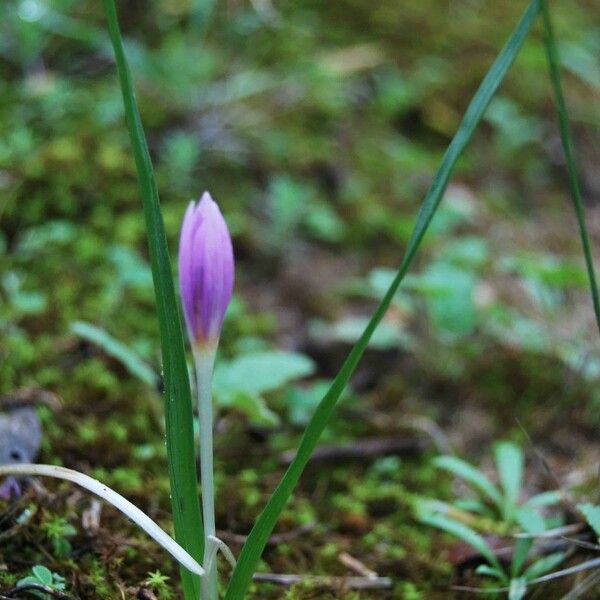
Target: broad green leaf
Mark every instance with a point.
(42, 574)
(509, 462)
(448, 292)
(466, 534)
(543, 565)
(178, 402)
(257, 539)
(259, 372)
(113, 347)
(592, 516)
(471, 475)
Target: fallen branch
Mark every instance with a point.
(364, 449)
(13, 592)
(353, 583)
(274, 540)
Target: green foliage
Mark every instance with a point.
(342, 111)
(592, 516)
(178, 408)
(504, 515)
(159, 584)
(58, 530)
(41, 575)
(257, 539)
(505, 506)
(130, 359)
(241, 382)
(574, 185)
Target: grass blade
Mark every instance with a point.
(261, 531)
(119, 351)
(467, 535)
(565, 136)
(178, 404)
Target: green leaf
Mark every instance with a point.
(240, 382)
(255, 408)
(448, 292)
(467, 535)
(488, 571)
(543, 565)
(257, 539)
(565, 136)
(530, 520)
(130, 360)
(520, 552)
(467, 251)
(592, 516)
(302, 401)
(471, 475)
(258, 373)
(517, 588)
(545, 499)
(42, 574)
(178, 402)
(509, 462)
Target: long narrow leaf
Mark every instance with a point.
(509, 462)
(467, 535)
(471, 475)
(565, 135)
(178, 404)
(261, 531)
(113, 347)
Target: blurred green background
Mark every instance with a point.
(317, 127)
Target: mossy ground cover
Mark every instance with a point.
(317, 128)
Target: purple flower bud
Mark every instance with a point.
(10, 488)
(206, 270)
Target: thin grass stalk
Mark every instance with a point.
(256, 542)
(565, 136)
(178, 404)
(121, 503)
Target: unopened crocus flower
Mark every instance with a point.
(206, 283)
(206, 271)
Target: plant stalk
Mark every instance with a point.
(553, 60)
(119, 502)
(204, 360)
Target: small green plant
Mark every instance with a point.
(58, 530)
(44, 577)
(497, 509)
(159, 584)
(591, 514)
(500, 503)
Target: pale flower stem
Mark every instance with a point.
(225, 550)
(204, 359)
(112, 497)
